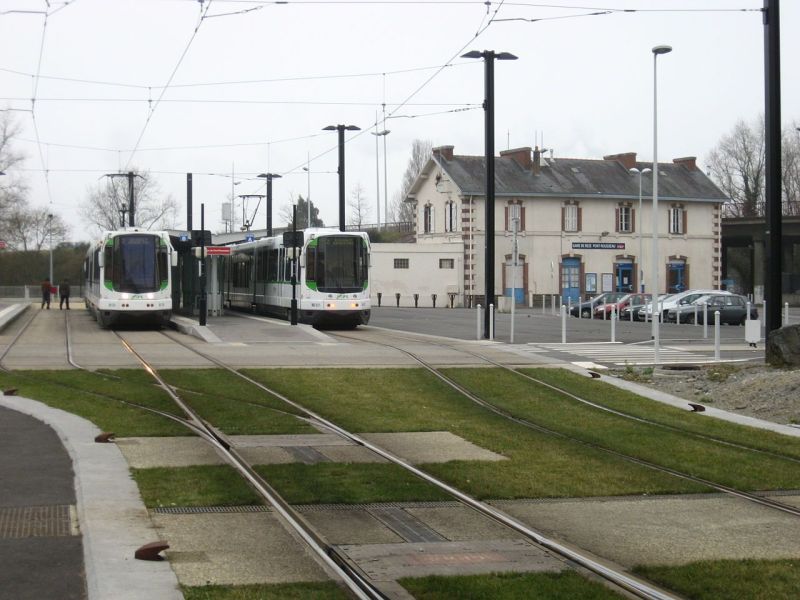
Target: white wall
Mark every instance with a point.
(424, 275)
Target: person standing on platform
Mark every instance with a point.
(46, 293)
(63, 290)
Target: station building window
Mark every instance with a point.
(571, 217)
(400, 263)
(677, 219)
(625, 218)
(447, 263)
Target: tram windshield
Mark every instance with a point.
(136, 264)
(338, 264)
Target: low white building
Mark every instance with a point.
(398, 272)
(583, 226)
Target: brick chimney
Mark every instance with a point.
(690, 162)
(522, 156)
(536, 166)
(445, 152)
(626, 159)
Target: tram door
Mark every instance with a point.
(624, 278)
(570, 280)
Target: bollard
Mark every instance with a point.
(433, 299)
(695, 314)
(416, 300)
(705, 321)
(613, 326)
(786, 313)
(563, 325)
(747, 316)
(491, 322)
(553, 304)
(569, 307)
(604, 310)
(397, 299)
(452, 298)
(543, 298)
(716, 336)
(479, 321)
(379, 299)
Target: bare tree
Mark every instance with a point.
(33, 229)
(737, 166)
(302, 214)
(403, 211)
(790, 163)
(13, 191)
(359, 207)
(105, 203)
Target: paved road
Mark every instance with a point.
(588, 340)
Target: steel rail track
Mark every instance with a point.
(767, 502)
(70, 356)
(639, 588)
(619, 413)
(357, 584)
(14, 341)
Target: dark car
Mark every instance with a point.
(585, 309)
(732, 309)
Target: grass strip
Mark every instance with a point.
(223, 384)
(566, 585)
(337, 483)
(318, 590)
(208, 485)
(730, 579)
(70, 391)
(734, 467)
(386, 400)
(611, 396)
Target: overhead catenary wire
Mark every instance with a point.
(166, 87)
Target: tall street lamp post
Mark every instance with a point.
(269, 177)
(636, 171)
(341, 129)
(654, 275)
(378, 134)
(307, 169)
(50, 233)
(489, 56)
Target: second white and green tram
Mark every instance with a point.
(332, 271)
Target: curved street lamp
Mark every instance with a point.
(654, 275)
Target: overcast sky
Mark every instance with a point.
(276, 74)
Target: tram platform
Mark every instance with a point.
(71, 517)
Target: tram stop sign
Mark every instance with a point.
(292, 239)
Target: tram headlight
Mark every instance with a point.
(354, 305)
(125, 296)
(150, 296)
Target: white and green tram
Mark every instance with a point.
(128, 277)
(332, 277)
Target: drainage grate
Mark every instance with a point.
(37, 521)
(197, 510)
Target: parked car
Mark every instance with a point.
(605, 310)
(585, 309)
(665, 304)
(643, 312)
(732, 309)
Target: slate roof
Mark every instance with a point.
(578, 177)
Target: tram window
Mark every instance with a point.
(96, 269)
(272, 268)
(261, 264)
(311, 264)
